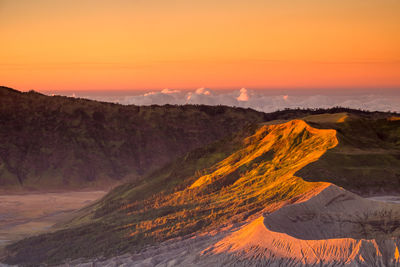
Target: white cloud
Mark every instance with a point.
(150, 93)
(202, 91)
(260, 100)
(243, 95)
(169, 91)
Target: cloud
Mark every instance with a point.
(169, 91)
(150, 93)
(202, 91)
(243, 95)
(260, 100)
(201, 96)
(189, 96)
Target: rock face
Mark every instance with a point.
(334, 228)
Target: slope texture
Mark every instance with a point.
(257, 177)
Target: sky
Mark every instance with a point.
(83, 45)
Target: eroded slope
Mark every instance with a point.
(333, 228)
(256, 178)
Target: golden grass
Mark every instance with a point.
(242, 185)
(394, 118)
(255, 178)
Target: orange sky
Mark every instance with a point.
(155, 44)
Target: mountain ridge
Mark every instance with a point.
(236, 193)
(211, 192)
(45, 139)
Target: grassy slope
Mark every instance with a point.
(257, 173)
(221, 183)
(367, 159)
(60, 142)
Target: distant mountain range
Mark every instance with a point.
(219, 201)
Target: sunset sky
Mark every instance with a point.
(182, 44)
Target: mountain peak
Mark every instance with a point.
(275, 143)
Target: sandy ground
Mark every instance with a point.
(390, 199)
(28, 214)
(332, 228)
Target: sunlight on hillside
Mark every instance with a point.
(328, 118)
(268, 151)
(245, 183)
(394, 118)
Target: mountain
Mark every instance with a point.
(63, 143)
(59, 143)
(366, 161)
(223, 204)
(205, 186)
(333, 228)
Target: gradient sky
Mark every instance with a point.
(155, 44)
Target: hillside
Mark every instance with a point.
(203, 204)
(367, 159)
(332, 228)
(317, 224)
(256, 177)
(59, 143)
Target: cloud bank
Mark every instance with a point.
(259, 100)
